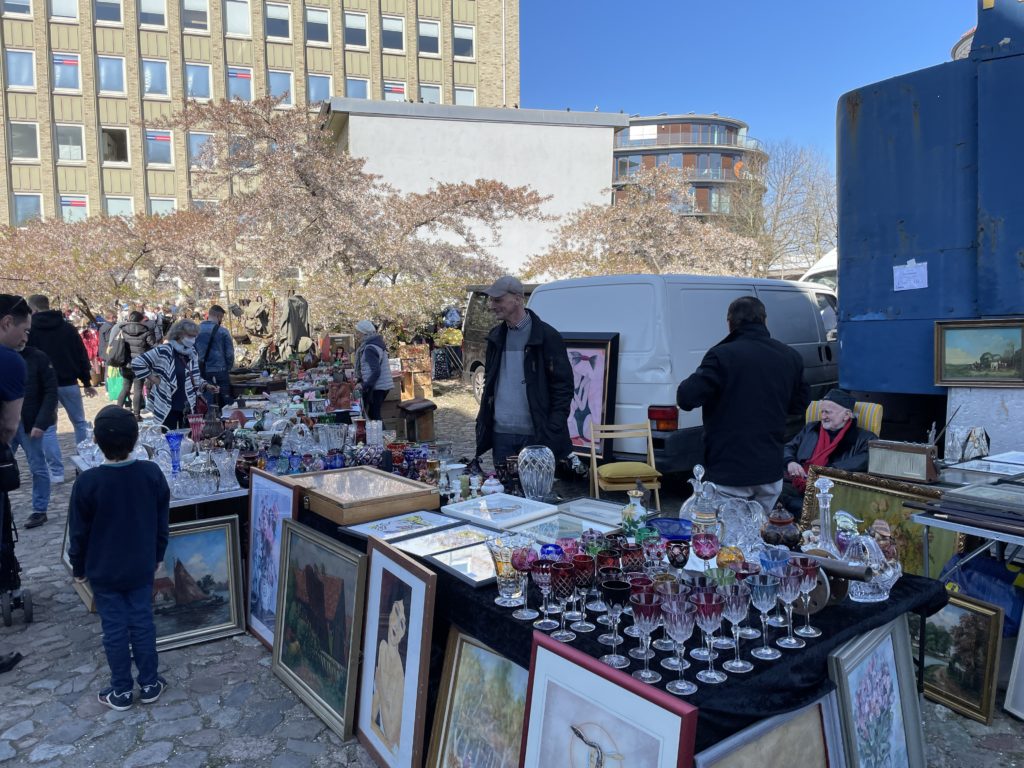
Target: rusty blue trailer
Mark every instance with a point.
(931, 172)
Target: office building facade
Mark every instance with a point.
(83, 78)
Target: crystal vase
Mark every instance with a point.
(226, 461)
(174, 443)
(536, 471)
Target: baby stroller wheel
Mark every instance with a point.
(26, 605)
(5, 607)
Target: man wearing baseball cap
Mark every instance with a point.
(527, 381)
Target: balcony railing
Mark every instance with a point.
(622, 140)
(695, 174)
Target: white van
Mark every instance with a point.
(824, 271)
(665, 324)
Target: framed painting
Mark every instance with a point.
(318, 640)
(480, 707)
(606, 512)
(408, 524)
(561, 525)
(810, 737)
(396, 656)
(878, 703)
(270, 503)
(433, 542)
(594, 358)
(197, 590)
(979, 353)
(473, 565)
(581, 712)
(961, 655)
(499, 510)
(870, 498)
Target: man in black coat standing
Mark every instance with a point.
(747, 384)
(38, 414)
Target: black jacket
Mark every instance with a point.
(40, 406)
(747, 384)
(63, 345)
(850, 454)
(139, 337)
(548, 387)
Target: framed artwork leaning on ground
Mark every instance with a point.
(270, 502)
(396, 656)
(594, 359)
(320, 617)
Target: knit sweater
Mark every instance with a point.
(159, 361)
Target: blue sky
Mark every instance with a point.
(779, 66)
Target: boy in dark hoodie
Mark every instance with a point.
(118, 534)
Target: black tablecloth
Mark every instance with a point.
(773, 687)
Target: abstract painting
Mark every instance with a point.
(594, 358)
(320, 610)
(270, 503)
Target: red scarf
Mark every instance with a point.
(825, 447)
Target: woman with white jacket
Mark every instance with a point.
(171, 372)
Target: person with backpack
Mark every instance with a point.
(216, 351)
(135, 338)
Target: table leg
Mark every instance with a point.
(920, 654)
(927, 559)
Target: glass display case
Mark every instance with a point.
(361, 494)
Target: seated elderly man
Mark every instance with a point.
(835, 441)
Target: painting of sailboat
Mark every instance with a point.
(197, 591)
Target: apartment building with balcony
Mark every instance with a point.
(714, 151)
(82, 78)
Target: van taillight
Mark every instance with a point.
(663, 418)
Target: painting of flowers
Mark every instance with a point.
(877, 714)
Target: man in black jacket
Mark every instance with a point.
(38, 414)
(528, 381)
(747, 384)
(140, 339)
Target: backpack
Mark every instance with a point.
(118, 353)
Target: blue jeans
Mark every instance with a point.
(506, 445)
(33, 447)
(128, 632)
(51, 451)
(71, 398)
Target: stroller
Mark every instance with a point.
(12, 596)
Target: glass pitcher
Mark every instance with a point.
(741, 521)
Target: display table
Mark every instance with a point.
(797, 679)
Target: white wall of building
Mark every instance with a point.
(570, 162)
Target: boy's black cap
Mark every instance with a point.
(113, 420)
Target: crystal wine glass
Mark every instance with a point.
(678, 552)
(646, 614)
(609, 558)
(510, 593)
(563, 586)
(810, 580)
(709, 618)
(616, 594)
(789, 591)
(541, 573)
(671, 592)
(652, 544)
(632, 557)
(744, 570)
(659, 578)
(523, 558)
(774, 561)
(705, 547)
(638, 583)
(737, 603)
(764, 594)
(584, 571)
(570, 548)
(679, 619)
(605, 574)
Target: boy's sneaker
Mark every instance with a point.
(151, 693)
(119, 701)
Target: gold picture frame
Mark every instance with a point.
(979, 353)
(871, 498)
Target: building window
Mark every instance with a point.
(64, 9)
(108, 12)
(111, 74)
(114, 144)
(463, 46)
(240, 83)
(154, 78)
(162, 206)
(21, 69)
(430, 94)
(280, 84)
(24, 142)
(26, 208)
(120, 206)
(196, 143)
(318, 25)
(430, 37)
(318, 88)
(357, 88)
(153, 13)
(394, 91)
(278, 21)
(720, 201)
(74, 208)
(197, 81)
(236, 18)
(465, 97)
(392, 33)
(66, 72)
(17, 7)
(355, 30)
(70, 143)
(159, 148)
(203, 205)
(195, 15)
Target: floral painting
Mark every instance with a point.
(270, 502)
(877, 710)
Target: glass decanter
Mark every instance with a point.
(826, 535)
(742, 520)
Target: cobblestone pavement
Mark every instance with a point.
(224, 706)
